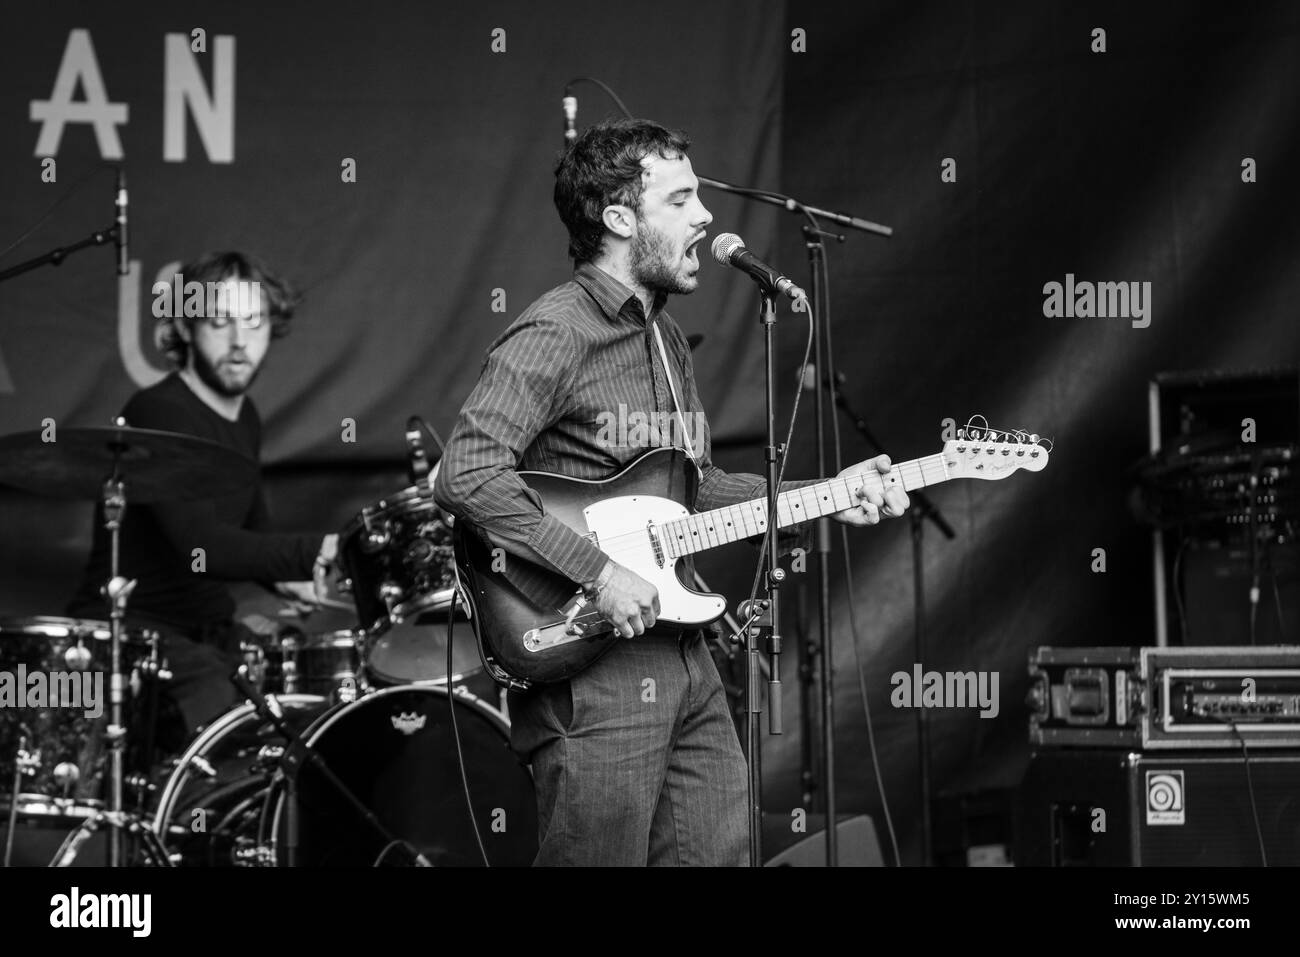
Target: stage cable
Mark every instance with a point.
(1250, 789)
(455, 731)
(848, 573)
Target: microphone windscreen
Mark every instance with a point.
(724, 245)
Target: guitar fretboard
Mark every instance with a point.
(721, 526)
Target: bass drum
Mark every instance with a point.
(395, 750)
(210, 810)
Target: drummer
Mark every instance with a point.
(181, 553)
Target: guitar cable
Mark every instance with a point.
(848, 581)
(455, 731)
(780, 474)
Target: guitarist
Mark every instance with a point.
(623, 777)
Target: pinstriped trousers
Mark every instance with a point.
(636, 760)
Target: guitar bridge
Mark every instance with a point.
(553, 636)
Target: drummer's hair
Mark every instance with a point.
(281, 298)
(603, 168)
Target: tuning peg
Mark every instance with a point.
(1033, 439)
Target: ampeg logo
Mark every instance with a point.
(1165, 797)
(409, 723)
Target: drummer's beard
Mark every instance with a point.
(222, 377)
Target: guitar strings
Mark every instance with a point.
(630, 542)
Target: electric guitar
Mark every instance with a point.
(639, 518)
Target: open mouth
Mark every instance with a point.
(690, 255)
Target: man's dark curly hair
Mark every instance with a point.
(278, 295)
(603, 168)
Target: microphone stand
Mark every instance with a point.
(56, 256)
(298, 753)
(764, 614)
(794, 206)
(823, 359)
(921, 509)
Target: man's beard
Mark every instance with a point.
(655, 265)
(210, 375)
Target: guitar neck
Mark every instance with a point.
(731, 523)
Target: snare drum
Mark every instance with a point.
(327, 665)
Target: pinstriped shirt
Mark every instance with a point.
(574, 386)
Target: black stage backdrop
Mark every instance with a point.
(1002, 143)
(1117, 166)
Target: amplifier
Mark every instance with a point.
(1158, 698)
(1097, 808)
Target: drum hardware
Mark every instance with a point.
(392, 594)
(376, 540)
(120, 822)
(204, 768)
(296, 755)
(163, 466)
(24, 764)
(412, 782)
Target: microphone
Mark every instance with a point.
(417, 458)
(570, 117)
(729, 249)
(808, 377)
(120, 237)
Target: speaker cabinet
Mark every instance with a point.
(1108, 808)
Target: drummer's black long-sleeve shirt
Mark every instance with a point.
(159, 540)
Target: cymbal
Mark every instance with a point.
(155, 466)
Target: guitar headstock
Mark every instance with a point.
(981, 452)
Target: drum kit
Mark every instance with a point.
(358, 746)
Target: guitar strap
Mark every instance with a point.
(677, 402)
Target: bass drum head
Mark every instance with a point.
(396, 752)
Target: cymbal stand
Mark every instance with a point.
(118, 592)
(24, 763)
